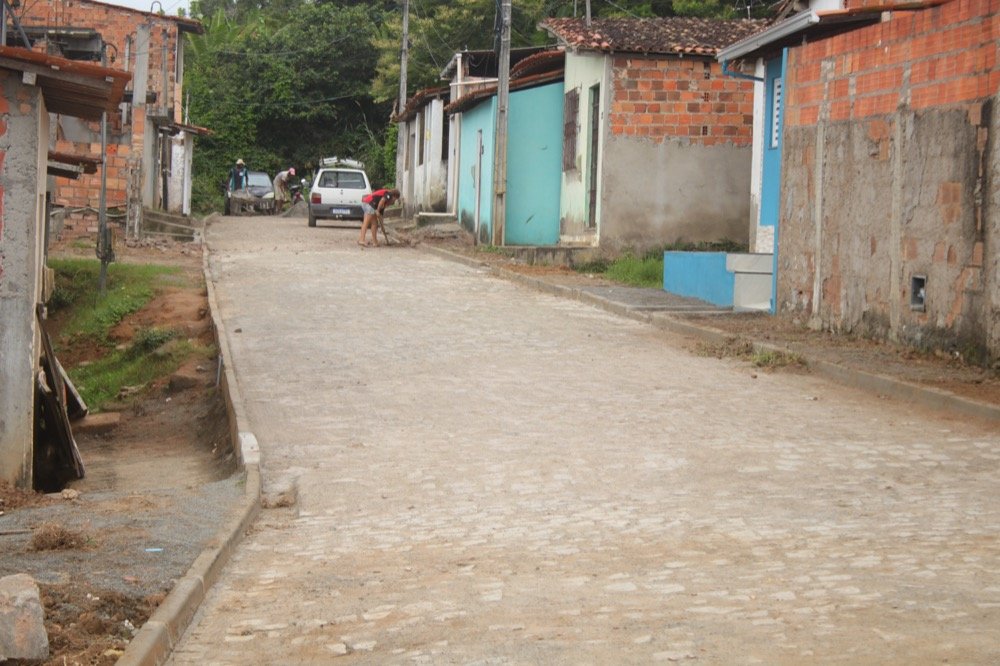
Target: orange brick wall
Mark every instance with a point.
(115, 24)
(943, 56)
(662, 99)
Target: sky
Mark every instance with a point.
(169, 6)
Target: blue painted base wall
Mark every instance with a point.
(699, 275)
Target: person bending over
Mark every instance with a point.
(373, 206)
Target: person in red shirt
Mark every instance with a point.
(373, 206)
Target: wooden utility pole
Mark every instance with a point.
(500, 130)
(401, 136)
(105, 251)
(588, 13)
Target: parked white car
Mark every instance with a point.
(337, 190)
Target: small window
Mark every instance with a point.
(918, 293)
(420, 140)
(445, 131)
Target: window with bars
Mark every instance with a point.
(571, 109)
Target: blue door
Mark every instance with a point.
(770, 195)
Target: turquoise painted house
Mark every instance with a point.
(534, 154)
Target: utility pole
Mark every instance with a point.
(588, 13)
(105, 251)
(500, 130)
(401, 136)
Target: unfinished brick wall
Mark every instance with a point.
(661, 98)
(886, 178)
(919, 59)
(117, 26)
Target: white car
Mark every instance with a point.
(337, 190)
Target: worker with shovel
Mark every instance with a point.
(373, 206)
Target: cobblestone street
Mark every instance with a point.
(491, 475)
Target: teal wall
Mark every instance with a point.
(534, 165)
(478, 118)
(699, 275)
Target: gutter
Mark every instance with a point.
(795, 24)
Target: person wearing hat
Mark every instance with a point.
(238, 176)
(281, 194)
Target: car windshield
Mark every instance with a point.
(351, 180)
(258, 179)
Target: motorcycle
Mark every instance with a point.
(295, 191)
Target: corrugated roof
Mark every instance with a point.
(70, 87)
(663, 36)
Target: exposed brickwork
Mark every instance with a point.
(667, 98)
(942, 56)
(116, 25)
(902, 114)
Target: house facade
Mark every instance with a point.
(533, 154)
(32, 86)
(423, 180)
(656, 141)
(879, 178)
(149, 145)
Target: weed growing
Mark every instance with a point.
(745, 350)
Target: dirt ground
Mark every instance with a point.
(107, 550)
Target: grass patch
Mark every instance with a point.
(647, 270)
(116, 375)
(129, 287)
(88, 319)
(495, 249)
(635, 271)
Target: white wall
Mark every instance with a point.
(583, 70)
(179, 182)
(425, 183)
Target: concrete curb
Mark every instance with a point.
(925, 396)
(157, 638)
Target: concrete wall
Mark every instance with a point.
(477, 119)
(534, 166)
(890, 173)
(583, 71)
(656, 194)
(179, 184)
(23, 149)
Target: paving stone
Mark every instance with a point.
(534, 480)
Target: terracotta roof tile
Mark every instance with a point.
(671, 35)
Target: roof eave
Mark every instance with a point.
(776, 32)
